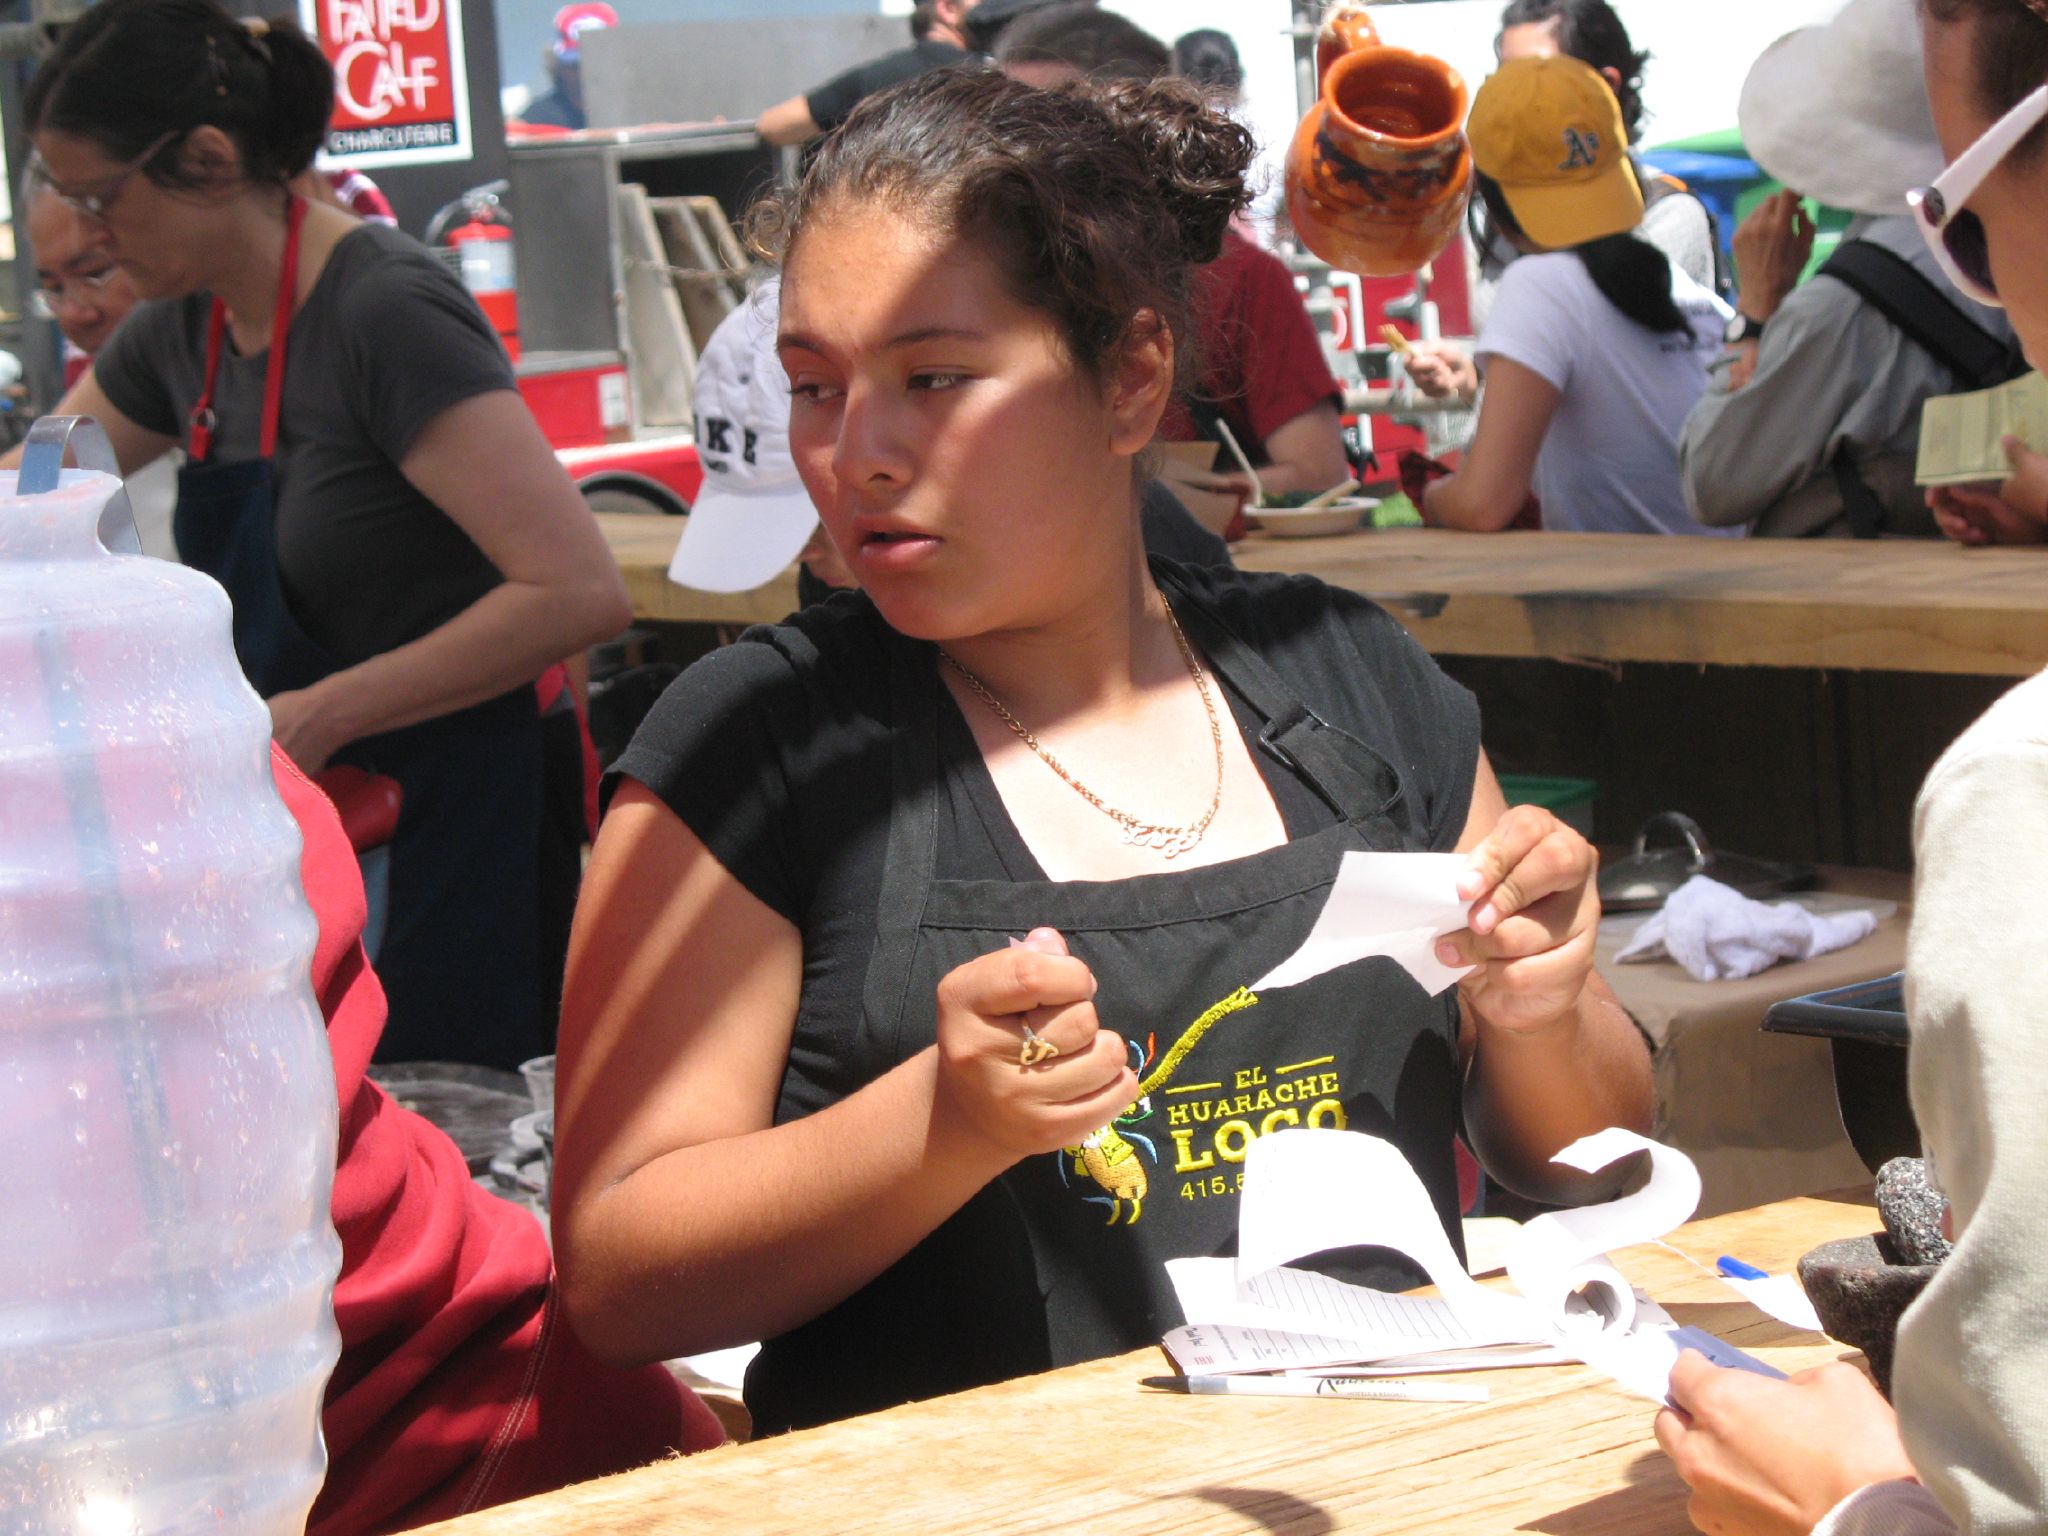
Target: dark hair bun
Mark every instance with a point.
(1096, 201)
(128, 72)
(1200, 156)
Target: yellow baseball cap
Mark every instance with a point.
(1549, 132)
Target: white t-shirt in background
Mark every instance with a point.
(1609, 463)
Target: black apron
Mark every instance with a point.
(460, 960)
(1061, 1258)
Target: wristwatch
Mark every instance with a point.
(1743, 328)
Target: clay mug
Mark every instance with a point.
(1379, 170)
(1345, 25)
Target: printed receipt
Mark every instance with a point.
(1310, 1191)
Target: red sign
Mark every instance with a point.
(401, 94)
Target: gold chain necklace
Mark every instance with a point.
(1171, 842)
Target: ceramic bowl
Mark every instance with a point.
(1315, 522)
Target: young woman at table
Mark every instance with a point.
(813, 1088)
(404, 553)
(1597, 346)
(1967, 1448)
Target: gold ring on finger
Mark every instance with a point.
(1035, 1048)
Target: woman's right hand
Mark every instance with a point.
(1772, 247)
(1441, 370)
(984, 1008)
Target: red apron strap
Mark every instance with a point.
(202, 420)
(202, 409)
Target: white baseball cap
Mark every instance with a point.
(753, 515)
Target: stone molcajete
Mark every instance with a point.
(1861, 1285)
(1378, 173)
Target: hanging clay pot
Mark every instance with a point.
(1379, 170)
(1346, 25)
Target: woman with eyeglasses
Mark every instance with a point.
(404, 553)
(1967, 1447)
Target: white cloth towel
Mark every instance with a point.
(1718, 934)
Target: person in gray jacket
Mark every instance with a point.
(1821, 387)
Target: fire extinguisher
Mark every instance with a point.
(477, 229)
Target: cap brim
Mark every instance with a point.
(1558, 217)
(735, 542)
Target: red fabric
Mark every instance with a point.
(361, 196)
(1261, 363)
(458, 1386)
(368, 803)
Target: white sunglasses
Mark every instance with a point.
(1952, 232)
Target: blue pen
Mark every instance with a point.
(1735, 1269)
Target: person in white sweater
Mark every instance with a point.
(1967, 1449)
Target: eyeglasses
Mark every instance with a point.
(70, 291)
(94, 205)
(1952, 232)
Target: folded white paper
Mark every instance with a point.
(1311, 1191)
(1392, 904)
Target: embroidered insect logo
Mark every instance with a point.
(1108, 1157)
(1581, 149)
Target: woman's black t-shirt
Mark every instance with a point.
(386, 341)
(775, 752)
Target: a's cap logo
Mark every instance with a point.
(1581, 149)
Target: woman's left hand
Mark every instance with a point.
(302, 725)
(1534, 912)
(1771, 1458)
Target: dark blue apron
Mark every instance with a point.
(1061, 1258)
(460, 959)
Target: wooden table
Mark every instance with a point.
(1559, 1449)
(1885, 605)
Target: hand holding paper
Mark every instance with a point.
(1536, 910)
(1392, 904)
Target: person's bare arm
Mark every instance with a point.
(684, 1218)
(1306, 452)
(1551, 1056)
(1493, 482)
(485, 464)
(134, 446)
(787, 122)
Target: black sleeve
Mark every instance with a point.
(134, 369)
(416, 344)
(712, 749)
(833, 102)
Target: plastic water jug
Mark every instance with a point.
(167, 1103)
